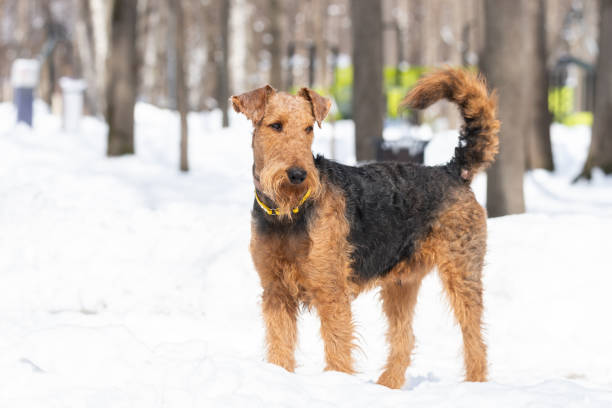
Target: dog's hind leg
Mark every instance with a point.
(460, 269)
(399, 298)
(465, 296)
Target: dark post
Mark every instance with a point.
(24, 77)
(290, 61)
(312, 54)
(368, 102)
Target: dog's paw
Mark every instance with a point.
(342, 368)
(286, 363)
(391, 380)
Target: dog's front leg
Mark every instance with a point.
(280, 316)
(334, 308)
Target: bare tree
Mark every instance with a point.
(208, 83)
(175, 7)
(368, 106)
(172, 53)
(85, 41)
(504, 64)
(537, 132)
(121, 80)
(48, 81)
(600, 152)
(275, 47)
(292, 9)
(319, 26)
(223, 92)
(416, 31)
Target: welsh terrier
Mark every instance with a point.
(323, 232)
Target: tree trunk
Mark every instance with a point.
(320, 30)
(209, 82)
(415, 32)
(86, 50)
(23, 28)
(368, 103)
(172, 53)
(48, 86)
(537, 133)
(178, 25)
(293, 8)
(101, 26)
(600, 152)
(222, 62)
(239, 44)
(504, 65)
(121, 80)
(276, 52)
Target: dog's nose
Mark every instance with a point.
(296, 175)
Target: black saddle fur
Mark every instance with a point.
(390, 207)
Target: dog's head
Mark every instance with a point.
(282, 139)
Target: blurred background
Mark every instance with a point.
(126, 189)
(550, 61)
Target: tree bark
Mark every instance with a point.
(121, 80)
(223, 92)
(537, 133)
(209, 81)
(415, 32)
(368, 103)
(48, 82)
(600, 151)
(504, 64)
(172, 53)
(178, 24)
(275, 48)
(320, 41)
(293, 8)
(86, 49)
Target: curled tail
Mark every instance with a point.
(478, 141)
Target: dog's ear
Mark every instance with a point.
(320, 105)
(253, 104)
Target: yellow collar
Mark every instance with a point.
(275, 211)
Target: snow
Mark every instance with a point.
(126, 283)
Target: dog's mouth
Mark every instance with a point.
(285, 195)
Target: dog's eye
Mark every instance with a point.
(276, 126)
(309, 129)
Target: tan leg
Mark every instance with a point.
(280, 315)
(462, 281)
(336, 329)
(399, 299)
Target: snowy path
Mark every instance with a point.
(124, 283)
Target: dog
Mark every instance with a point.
(323, 232)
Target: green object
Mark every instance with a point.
(578, 118)
(561, 105)
(394, 99)
(342, 91)
(561, 102)
(396, 84)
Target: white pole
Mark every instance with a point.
(72, 93)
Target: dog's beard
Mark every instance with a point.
(287, 196)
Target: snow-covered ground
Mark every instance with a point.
(124, 283)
